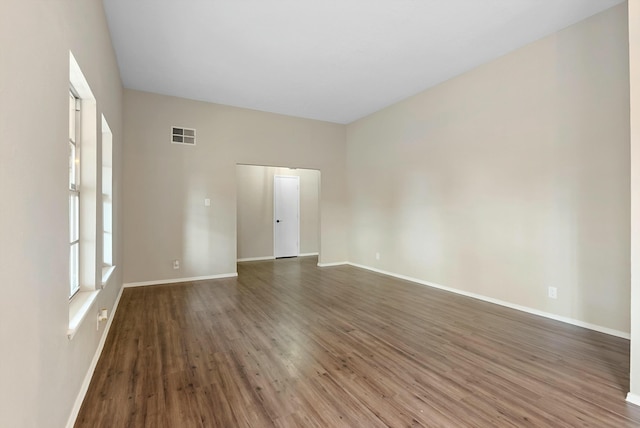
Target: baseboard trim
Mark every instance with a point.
(92, 367)
(633, 399)
(332, 264)
(526, 309)
(256, 259)
(178, 280)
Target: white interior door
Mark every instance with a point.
(286, 208)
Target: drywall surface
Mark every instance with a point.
(166, 184)
(255, 209)
(509, 179)
(41, 370)
(634, 67)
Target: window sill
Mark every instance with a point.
(107, 271)
(79, 308)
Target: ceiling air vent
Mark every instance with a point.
(180, 135)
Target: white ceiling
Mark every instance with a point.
(333, 60)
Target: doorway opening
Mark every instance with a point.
(271, 223)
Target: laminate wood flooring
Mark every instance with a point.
(288, 344)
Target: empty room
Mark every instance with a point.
(319, 214)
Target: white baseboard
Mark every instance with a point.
(92, 367)
(633, 399)
(255, 259)
(177, 280)
(307, 254)
(555, 317)
(332, 264)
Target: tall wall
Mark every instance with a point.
(501, 182)
(255, 209)
(41, 370)
(634, 73)
(508, 179)
(166, 183)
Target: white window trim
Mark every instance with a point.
(75, 190)
(82, 301)
(79, 307)
(107, 271)
(106, 180)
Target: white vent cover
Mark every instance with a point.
(180, 135)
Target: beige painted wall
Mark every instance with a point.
(634, 66)
(505, 180)
(255, 209)
(41, 371)
(508, 179)
(166, 184)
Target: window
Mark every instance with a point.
(107, 198)
(84, 199)
(74, 194)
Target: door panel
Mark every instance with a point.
(286, 216)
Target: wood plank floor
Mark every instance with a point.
(288, 344)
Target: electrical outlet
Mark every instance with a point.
(377, 256)
(103, 314)
(553, 292)
(176, 264)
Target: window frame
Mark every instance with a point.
(107, 201)
(75, 117)
(87, 186)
